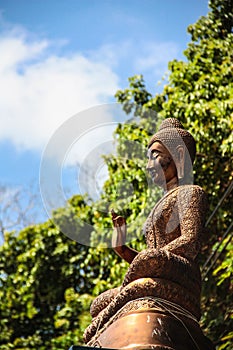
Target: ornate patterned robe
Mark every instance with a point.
(167, 269)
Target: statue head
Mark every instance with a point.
(179, 143)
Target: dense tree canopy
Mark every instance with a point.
(48, 281)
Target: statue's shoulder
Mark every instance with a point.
(193, 194)
(183, 194)
(195, 189)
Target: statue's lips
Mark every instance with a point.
(154, 174)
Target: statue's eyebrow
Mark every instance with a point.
(149, 152)
(155, 151)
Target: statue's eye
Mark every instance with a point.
(154, 155)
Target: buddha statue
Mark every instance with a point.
(158, 304)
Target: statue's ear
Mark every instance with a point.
(180, 161)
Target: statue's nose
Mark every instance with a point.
(150, 165)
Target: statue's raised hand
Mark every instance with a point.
(119, 238)
(119, 234)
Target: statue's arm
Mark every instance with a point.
(126, 253)
(192, 208)
(119, 238)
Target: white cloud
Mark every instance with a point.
(15, 51)
(149, 58)
(40, 90)
(156, 57)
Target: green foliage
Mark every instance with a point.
(38, 267)
(48, 281)
(200, 94)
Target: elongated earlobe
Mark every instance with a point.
(180, 172)
(180, 162)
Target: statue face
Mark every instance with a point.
(160, 165)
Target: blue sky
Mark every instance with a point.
(61, 57)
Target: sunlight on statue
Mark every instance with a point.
(158, 304)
